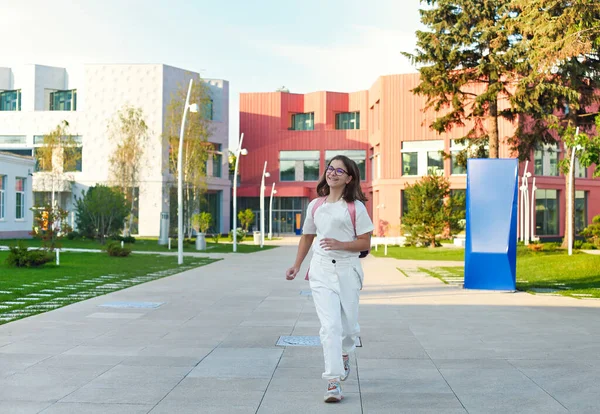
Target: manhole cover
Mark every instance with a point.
(132, 305)
(305, 341)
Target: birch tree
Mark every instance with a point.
(129, 133)
(196, 147)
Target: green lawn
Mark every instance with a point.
(147, 245)
(421, 253)
(577, 276)
(80, 276)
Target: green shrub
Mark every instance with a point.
(19, 256)
(74, 235)
(550, 247)
(114, 249)
(588, 246)
(241, 235)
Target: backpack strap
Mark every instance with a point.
(319, 203)
(352, 211)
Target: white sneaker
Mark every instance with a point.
(334, 392)
(346, 359)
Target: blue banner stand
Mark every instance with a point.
(491, 216)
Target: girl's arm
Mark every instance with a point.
(305, 242)
(362, 242)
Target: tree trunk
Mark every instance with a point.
(493, 129)
(569, 210)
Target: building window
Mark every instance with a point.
(303, 122)
(63, 100)
(299, 165)
(2, 196)
(10, 100)
(207, 110)
(580, 171)
(580, 211)
(422, 158)
(20, 198)
(358, 156)
(12, 139)
(546, 160)
(347, 120)
(546, 212)
(217, 161)
(410, 163)
(403, 203)
(454, 150)
(72, 150)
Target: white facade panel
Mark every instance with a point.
(103, 90)
(11, 168)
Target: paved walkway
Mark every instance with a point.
(210, 348)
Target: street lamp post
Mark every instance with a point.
(524, 210)
(570, 229)
(238, 152)
(265, 174)
(533, 188)
(191, 108)
(273, 191)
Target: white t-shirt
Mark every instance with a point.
(332, 220)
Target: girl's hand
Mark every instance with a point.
(291, 273)
(332, 244)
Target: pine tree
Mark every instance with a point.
(561, 39)
(468, 63)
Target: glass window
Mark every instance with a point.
(546, 212)
(303, 122)
(63, 100)
(78, 154)
(20, 197)
(410, 163)
(358, 156)
(217, 160)
(580, 210)
(546, 161)
(347, 120)
(457, 169)
(13, 139)
(207, 110)
(435, 163)
(10, 100)
(580, 171)
(2, 195)
(404, 203)
(299, 165)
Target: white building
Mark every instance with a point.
(16, 217)
(34, 99)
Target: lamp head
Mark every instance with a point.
(267, 174)
(243, 151)
(193, 107)
(528, 174)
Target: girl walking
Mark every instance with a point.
(339, 221)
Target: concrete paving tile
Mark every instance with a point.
(277, 402)
(417, 403)
(94, 408)
(511, 402)
(40, 393)
(133, 394)
(183, 407)
(22, 407)
(161, 361)
(105, 350)
(26, 347)
(168, 351)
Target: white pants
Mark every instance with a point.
(335, 285)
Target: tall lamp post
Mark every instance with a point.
(533, 189)
(273, 191)
(239, 151)
(570, 228)
(191, 108)
(265, 174)
(524, 206)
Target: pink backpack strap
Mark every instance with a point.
(352, 211)
(320, 201)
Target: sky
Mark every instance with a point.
(257, 45)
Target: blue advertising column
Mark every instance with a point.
(491, 216)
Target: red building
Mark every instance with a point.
(386, 132)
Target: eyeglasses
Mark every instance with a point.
(338, 171)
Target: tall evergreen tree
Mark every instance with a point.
(468, 62)
(560, 93)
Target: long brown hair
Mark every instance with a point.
(352, 191)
